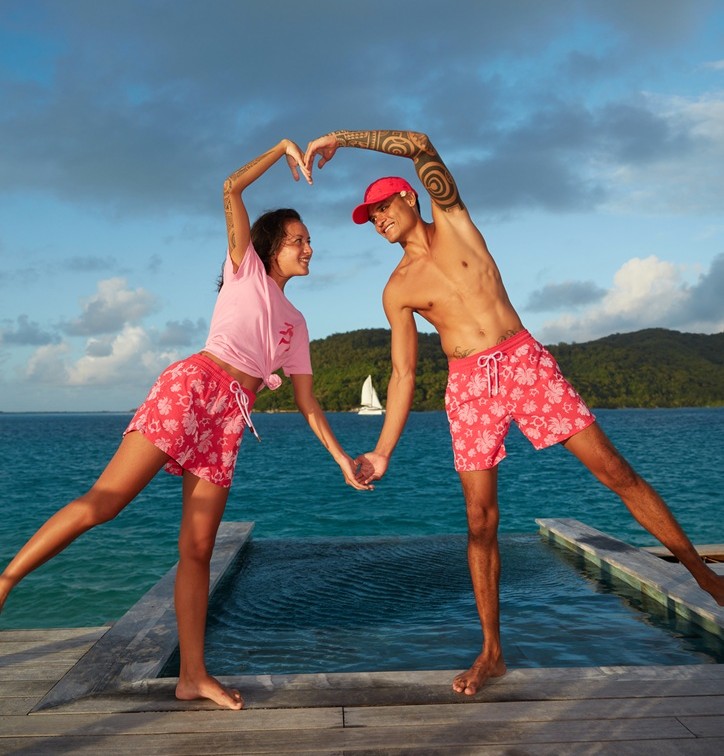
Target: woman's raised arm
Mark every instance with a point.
(237, 219)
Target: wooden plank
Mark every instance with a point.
(151, 723)
(713, 551)
(43, 656)
(50, 635)
(387, 738)
(28, 688)
(10, 707)
(706, 727)
(534, 711)
(34, 671)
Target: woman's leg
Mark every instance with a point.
(133, 465)
(203, 507)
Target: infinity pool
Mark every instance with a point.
(365, 604)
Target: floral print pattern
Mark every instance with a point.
(191, 414)
(528, 388)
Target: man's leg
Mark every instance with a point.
(595, 450)
(203, 507)
(481, 501)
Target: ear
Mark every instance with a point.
(409, 197)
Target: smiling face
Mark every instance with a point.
(293, 255)
(393, 216)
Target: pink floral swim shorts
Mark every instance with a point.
(196, 413)
(516, 380)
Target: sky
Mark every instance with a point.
(586, 139)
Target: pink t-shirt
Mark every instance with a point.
(254, 327)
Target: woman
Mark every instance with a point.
(193, 418)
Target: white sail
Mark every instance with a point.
(369, 401)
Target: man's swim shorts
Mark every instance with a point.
(196, 413)
(519, 380)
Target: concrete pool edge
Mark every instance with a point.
(138, 644)
(668, 583)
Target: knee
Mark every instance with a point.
(483, 518)
(95, 509)
(196, 548)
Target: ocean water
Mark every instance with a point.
(289, 486)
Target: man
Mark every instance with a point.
(498, 372)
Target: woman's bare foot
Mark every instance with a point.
(212, 689)
(471, 681)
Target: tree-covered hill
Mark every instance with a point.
(650, 368)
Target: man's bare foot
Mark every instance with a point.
(471, 681)
(212, 689)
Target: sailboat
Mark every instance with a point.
(370, 401)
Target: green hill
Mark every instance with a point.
(650, 368)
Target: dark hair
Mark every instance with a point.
(268, 232)
(267, 235)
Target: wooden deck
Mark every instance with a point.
(614, 710)
(96, 690)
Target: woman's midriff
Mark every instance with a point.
(250, 382)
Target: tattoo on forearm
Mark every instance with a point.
(429, 165)
(228, 188)
(397, 143)
(244, 168)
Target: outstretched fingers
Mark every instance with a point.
(297, 163)
(324, 146)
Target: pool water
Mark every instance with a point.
(374, 604)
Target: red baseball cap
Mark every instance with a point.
(376, 192)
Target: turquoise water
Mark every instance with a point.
(291, 488)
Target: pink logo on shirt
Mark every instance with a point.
(286, 335)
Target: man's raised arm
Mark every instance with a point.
(430, 168)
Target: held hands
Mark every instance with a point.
(370, 466)
(351, 472)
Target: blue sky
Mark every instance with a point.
(587, 139)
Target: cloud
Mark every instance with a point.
(150, 94)
(110, 308)
(47, 365)
(564, 295)
(646, 293)
(26, 333)
(129, 354)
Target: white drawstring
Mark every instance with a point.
(243, 401)
(485, 361)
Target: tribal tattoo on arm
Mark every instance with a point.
(233, 185)
(430, 167)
